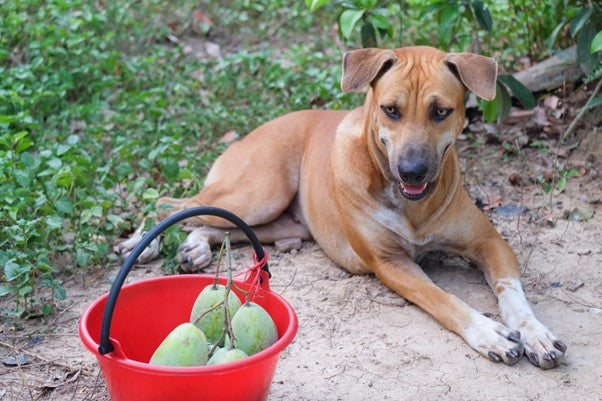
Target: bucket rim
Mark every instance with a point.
(227, 367)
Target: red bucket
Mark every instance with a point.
(148, 310)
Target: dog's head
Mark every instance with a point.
(416, 106)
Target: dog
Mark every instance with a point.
(376, 187)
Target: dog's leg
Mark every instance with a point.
(500, 267)
(490, 338)
(195, 253)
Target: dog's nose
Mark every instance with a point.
(412, 172)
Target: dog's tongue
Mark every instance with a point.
(413, 189)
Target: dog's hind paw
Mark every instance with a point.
(195, 253)
(124, 249)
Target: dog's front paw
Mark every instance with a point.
(542, 348)
(195, 253)
(494, 340)
(124, 249)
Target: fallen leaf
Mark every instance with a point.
(582, 214)
(540, 117)
(60, 379)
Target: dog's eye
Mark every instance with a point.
(391, 112)
(441, 113)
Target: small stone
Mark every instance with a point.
(18, 360)
(229, 137)
(288, 244)
(213, 50)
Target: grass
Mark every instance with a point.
(100, 114)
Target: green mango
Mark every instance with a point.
(253, 329)
(212, 323)
(222, 355)
(186, 345)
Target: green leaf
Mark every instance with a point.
(150, 194)
(524, 95)
(22, 178)
(368, 35)
(59, 292)
(25, 290)
(54, 221)
(4, 290)
(13, 270)
(54, 163)
(489, 109)
(552, 39)
(482, 15)
(64, 206)
(23, 144)
(449, 17)
(433, 7)
(596, 43)
(579, 20)
(85, 216)
(584, 42)
(504, 102)
(594, 102)
(64, 178)
(348, 20)
(82, 257)
(572, 173)
(381, 23)
(62, 149)
(96, 211)
(315, 4)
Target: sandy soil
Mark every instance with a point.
(357, 340)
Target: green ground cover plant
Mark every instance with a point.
(100, 114)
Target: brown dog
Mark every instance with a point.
(376, 187)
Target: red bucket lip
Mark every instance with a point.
(272, 350)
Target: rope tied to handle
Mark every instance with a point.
(255, 274)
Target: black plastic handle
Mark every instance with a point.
(105, 344)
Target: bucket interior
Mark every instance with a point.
(147, 311)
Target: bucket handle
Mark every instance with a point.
(105, 344)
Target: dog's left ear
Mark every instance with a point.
(477, 73)
(365, 66)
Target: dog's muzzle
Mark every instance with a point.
(414, 173)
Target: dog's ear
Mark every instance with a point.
(365, 66)
(477, 73)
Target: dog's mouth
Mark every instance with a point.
(415, 192)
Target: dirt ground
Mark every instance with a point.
(357, 340)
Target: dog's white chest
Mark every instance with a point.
(394, 220)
